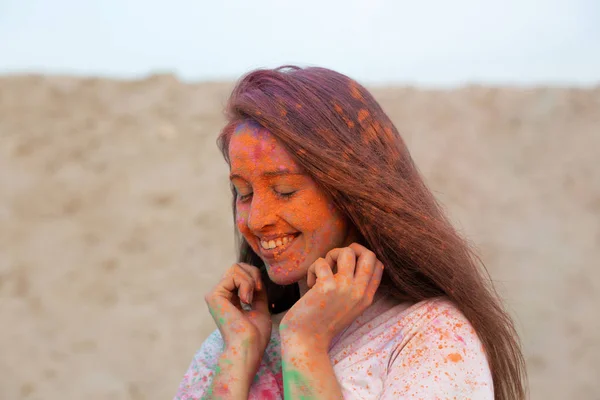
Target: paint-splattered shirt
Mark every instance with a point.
(426, 350)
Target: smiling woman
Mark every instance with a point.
(351, 283)
(281, 213)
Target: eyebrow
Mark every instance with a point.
(269, 174)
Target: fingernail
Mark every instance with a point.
(249, 298)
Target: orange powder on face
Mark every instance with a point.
(454, 357)
(254, 153)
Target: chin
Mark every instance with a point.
(284, 275)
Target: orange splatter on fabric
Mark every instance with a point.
(393, 350)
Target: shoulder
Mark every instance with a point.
(438, 313)
(440, 344)
(407, 322)
(439, 324)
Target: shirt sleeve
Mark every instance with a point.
(199, 375)
(443, 359)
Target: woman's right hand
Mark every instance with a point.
(246, 332)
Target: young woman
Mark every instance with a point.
(351, 283)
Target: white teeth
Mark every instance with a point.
(271, 244)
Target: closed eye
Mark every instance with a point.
(245, 197)
(285, 196)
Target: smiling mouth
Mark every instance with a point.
(271, 248)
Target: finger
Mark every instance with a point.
(311, 278)
(254, 272)
(323, 270)
(320, 269)
(332, 256)
(375, 280)
(261, 302)
(358, 248)
(258, 300)
(220, 303)
(345, 260)
(236, 281)
(365, 266)
(325, 278)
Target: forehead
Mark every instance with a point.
(252, 146)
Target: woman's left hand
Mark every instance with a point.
(334, 300)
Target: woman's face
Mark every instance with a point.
(283, 215)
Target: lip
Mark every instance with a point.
(277, 235)
(272, 253)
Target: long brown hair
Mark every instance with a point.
(339, 134)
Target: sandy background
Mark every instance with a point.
(115, 220)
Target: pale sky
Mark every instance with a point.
(425, 42)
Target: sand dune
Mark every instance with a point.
(115, 220)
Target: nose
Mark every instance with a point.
(262, 214)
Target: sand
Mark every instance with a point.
(115, 221)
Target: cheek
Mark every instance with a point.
(241, 219)
(332, 230)
(327, 234)
(321, 223)
(303, 218)
(323, 217)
